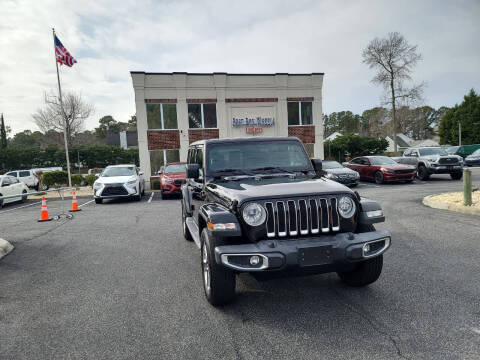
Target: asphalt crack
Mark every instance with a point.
(371, 322)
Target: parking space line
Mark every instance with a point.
(151, 197)
(88, 202)
(20, 207)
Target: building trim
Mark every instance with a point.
(162, 101)
(300, 99)
(250, 100)
(225, 73)
(200, 101)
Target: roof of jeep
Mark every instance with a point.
(244, 139)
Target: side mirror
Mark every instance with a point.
(193, 171)
(317, 165)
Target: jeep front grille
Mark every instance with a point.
(303, 216)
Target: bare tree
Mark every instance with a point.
(394, 58)
(73, 114)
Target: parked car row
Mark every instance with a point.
(11, 186)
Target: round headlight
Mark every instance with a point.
(346, 207)
(254, 214)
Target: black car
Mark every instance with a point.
(259, 205)
(473, 159)
(339, 173)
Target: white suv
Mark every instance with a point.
(28, 177)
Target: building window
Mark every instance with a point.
(309, 148)
(159, 158)
(300, 113)
(162, 116)
(202, 116)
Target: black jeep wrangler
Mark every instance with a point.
(260, 205)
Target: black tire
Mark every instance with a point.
(143, 192)
(24, 195)
(186, 231)
(408, 181)
(98, 201)
(422, 173)
(456, 176)
(379, 178)
(1, 202)
(218, 282)
(367, 271)
(138, 197)
(162, 195)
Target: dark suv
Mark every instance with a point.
(261, 206)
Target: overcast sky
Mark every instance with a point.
(111, 38)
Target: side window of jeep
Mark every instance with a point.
(199, 160)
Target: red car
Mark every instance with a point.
(172, 177)
(381, 169)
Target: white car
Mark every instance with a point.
(26, 176)
(119, 181)
(10, 186)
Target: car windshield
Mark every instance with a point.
(331, 165)
(451, 149)
(381, 160)
(432, 151)
(176, 168)
(259, 156)
(476, 152)
(119, 171)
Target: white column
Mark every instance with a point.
(317, 82)
(141, 112)
(281, 126)
(223, 122)
(180, 81)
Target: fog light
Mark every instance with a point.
(254, 260)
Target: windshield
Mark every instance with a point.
(382, 160)
(331, 165)
(452, 149)
(432, 151)
(119, 171)
(177, 168)
(476, 152)
(261, 155)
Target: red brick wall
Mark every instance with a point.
(305, 133)
(251, 100)
(163, 139)
(199, 101)
(164, 101)
(299, 98)
(202, 134)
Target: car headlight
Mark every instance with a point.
(346, 207)
(131, 183)
(357, 175)
(254, 214)
(331, 176)
(97, 185)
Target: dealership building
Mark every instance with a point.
(176, 109)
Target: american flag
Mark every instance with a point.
(63, 56)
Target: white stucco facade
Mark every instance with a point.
(245, 105)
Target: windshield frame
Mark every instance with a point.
(119, 167)
(440, 151)
(184, 166)
(334, 162)
(214, 173)
(373, 158)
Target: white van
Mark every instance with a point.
(28, 177)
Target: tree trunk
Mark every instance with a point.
(394, 116)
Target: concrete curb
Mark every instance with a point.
(427, 201)
(5, 248)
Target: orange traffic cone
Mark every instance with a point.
(44, 213)
(75, 203)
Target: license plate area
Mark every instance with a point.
(316, 255)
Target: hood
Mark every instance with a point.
(271, 188)
(115, 179)
(398, 167)
(340, 171)
(177, 175)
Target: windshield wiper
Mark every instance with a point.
(274, 168)
(219, 173)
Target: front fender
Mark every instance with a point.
(367, 209)
(218, 214)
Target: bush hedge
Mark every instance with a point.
(77, 180)
(90, 179)
(55, 178)
(354, 145)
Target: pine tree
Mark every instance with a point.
(3, 134)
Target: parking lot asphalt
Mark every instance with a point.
(118, 281)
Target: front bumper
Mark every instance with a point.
(171, 188)
(347, 181)
(398, 177)
(444, 169)
(337, 250)
(475, 162)
(103, 193)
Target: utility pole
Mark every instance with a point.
(459, 133)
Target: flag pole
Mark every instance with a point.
(63, 113)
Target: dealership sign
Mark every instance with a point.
(253, 125)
